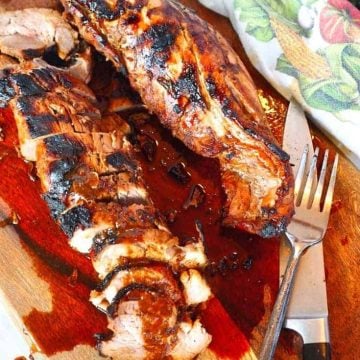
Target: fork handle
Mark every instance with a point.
(279, 309)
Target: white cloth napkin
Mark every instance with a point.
(310, 50)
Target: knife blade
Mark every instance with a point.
(307, 312)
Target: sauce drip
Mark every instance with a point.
(238, 285)
(72, 321)
(240, 264)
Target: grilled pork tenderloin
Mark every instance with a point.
(32, 33)
(189, 76)
(150, 284)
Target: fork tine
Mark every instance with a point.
(330, 190)
(301, 172)
(310, 180)
(320, 186)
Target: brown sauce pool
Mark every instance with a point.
(240, 265)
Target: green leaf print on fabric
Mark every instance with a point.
(256, 18)
(257, 13)
(351, 61)
(286, 10)
(331, 94)
(284, 66)
(309, 2)
(340, 91)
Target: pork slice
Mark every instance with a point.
(127, 342)
(26, 34)
(116, 284)
(188, 75)
(192, 339)
(37, 77)
(35, 121)
(196, 290)
(150, 244)
(81, 65)
(91, 225)
(144, 327)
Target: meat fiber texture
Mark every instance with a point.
(189, 76)
(38, 32)
(151, 288)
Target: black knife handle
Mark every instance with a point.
(317, 351)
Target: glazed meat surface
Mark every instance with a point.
(151, 286)
(188, 75)
(32, 33)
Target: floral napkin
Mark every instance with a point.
(310, 50)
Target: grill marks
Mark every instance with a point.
(26, 85)
(156, 45)
(7, 92)
(62, 131)
(103, 9)
(93, 187)
(188, 75)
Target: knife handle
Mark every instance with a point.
(317, 351)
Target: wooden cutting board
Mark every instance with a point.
(45, 284)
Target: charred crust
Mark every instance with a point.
(77, 217)
(160, 38)
(141, 263)
(227, 110)
(132, 19)
(40, 125)
(111, 309)
(278, 151)
(102, 10)
(55, 204)
(58, 170)
(224, 101)
(121, 161)
(44, 75)
(211, 86)
(27, 85)
(187, 85)
(32, 53)
(25, 104)
(272, 229)
(177, 109)
(275, 149)
(63, 146)
(146, 216)
(268, 211)
(103, 239)
(65, 81)
(7, 92)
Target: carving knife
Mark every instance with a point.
(307, 312)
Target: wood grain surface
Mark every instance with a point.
(24, 279)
